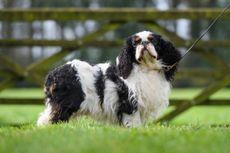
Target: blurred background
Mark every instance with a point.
(71, 30)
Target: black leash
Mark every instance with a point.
(168, 67)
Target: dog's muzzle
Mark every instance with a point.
(146, 49)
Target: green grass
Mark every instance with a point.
(201, 129)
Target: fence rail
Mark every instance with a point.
(111, 14)
(99, 43)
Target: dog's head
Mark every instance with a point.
(148, 50)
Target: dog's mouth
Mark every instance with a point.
(146, 54)
(149, 59)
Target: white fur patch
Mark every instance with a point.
(45, 116)
(152, 50)
(152, 90)
(139, 52)
(117, 61)
(144, 35)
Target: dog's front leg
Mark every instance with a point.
(132, 120)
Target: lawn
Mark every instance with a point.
(201, 129)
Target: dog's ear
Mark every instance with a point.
(126, 58)
(168, 54)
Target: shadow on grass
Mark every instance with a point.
(14, 125)
(192, 126)
(220, 125)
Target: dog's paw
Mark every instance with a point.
(45, 117)
(131, 125)
(132, 120)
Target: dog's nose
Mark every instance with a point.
(145, 43)
(154, 56)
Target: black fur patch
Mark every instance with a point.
(167, 53)
(127, 100)
(63, 88)
(100, 86)
(126, 58)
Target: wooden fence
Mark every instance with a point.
(114, 18)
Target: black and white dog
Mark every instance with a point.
(130, 93)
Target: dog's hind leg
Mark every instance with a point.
(63, 93)
(45, 116)
(62, 113)
(57, 112)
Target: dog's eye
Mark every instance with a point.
(150, 37)
(136, 40)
